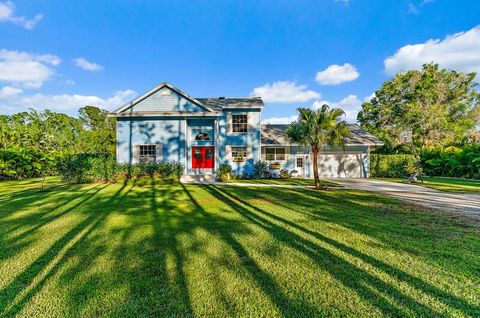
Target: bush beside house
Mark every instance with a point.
(85, 168)
(390, 166)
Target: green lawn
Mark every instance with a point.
(172, 250)
(292, 181)
(445, 184)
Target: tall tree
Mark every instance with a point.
(318, 129)
(439, 106)
(99, 134)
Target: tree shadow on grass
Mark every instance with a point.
(286, 306)
(28, 283)
(398, 274)
(140, 273)
(370, 288)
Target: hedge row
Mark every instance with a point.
(85, 168)
(452, 161)
(21, 163)
(391, 166)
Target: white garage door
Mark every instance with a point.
(340, 165)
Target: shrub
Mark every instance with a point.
(224, 173)
(85, 168)
(261, 170)
(390, 166)
(452, 161)
(285, 174)
(21, 163)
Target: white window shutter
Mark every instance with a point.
(159, 152)
(249, 122)
(249, 152)
(136, 153)
(228, 152)
(229, 123)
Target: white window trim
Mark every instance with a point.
(248, 151)
(158, 152)
(276, 160)
(230, 123)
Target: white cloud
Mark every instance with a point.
(7, 14)
(460, 51)
(26, 69)
(280, 120)
(351, 105)
(9, 91)
(337, 74)
(284, 92)
(86, 65)
(412, 9)
(62, 103)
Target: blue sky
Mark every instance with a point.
(292, 53)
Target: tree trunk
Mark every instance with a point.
(315, 151)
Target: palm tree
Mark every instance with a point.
(317, 129)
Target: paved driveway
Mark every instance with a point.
(453, 202)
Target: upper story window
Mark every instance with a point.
(275, 153)
(147, 153)
(239, 123)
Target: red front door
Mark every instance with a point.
(203, 157)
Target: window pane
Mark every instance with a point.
(209, 153)
(197, 154)
(270, 150)
(239, 152)
(280, 150)
(239, 123)
(147, 152)
(300, 162)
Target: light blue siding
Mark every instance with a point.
(168, 131)
(251, 140)
(289, 163)
(166, 100)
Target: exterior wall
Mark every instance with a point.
(289, 163)
(251, 140)
(333, 162)
(167, 131)
(166, 100)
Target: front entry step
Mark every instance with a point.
(197, 178)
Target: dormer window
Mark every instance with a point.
(239, 123)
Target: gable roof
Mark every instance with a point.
(275, 135)
(156, 89)
(213, 105)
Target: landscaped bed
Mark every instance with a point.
(290, 181)
(444, 184)
(185, 250)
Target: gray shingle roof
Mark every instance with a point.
(275, 134)
(217, 104)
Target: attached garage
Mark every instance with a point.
(340, 165)
(350, 161)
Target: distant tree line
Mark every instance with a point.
(32, 142)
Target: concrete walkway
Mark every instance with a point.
(463, 203)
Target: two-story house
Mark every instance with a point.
(165, 124)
